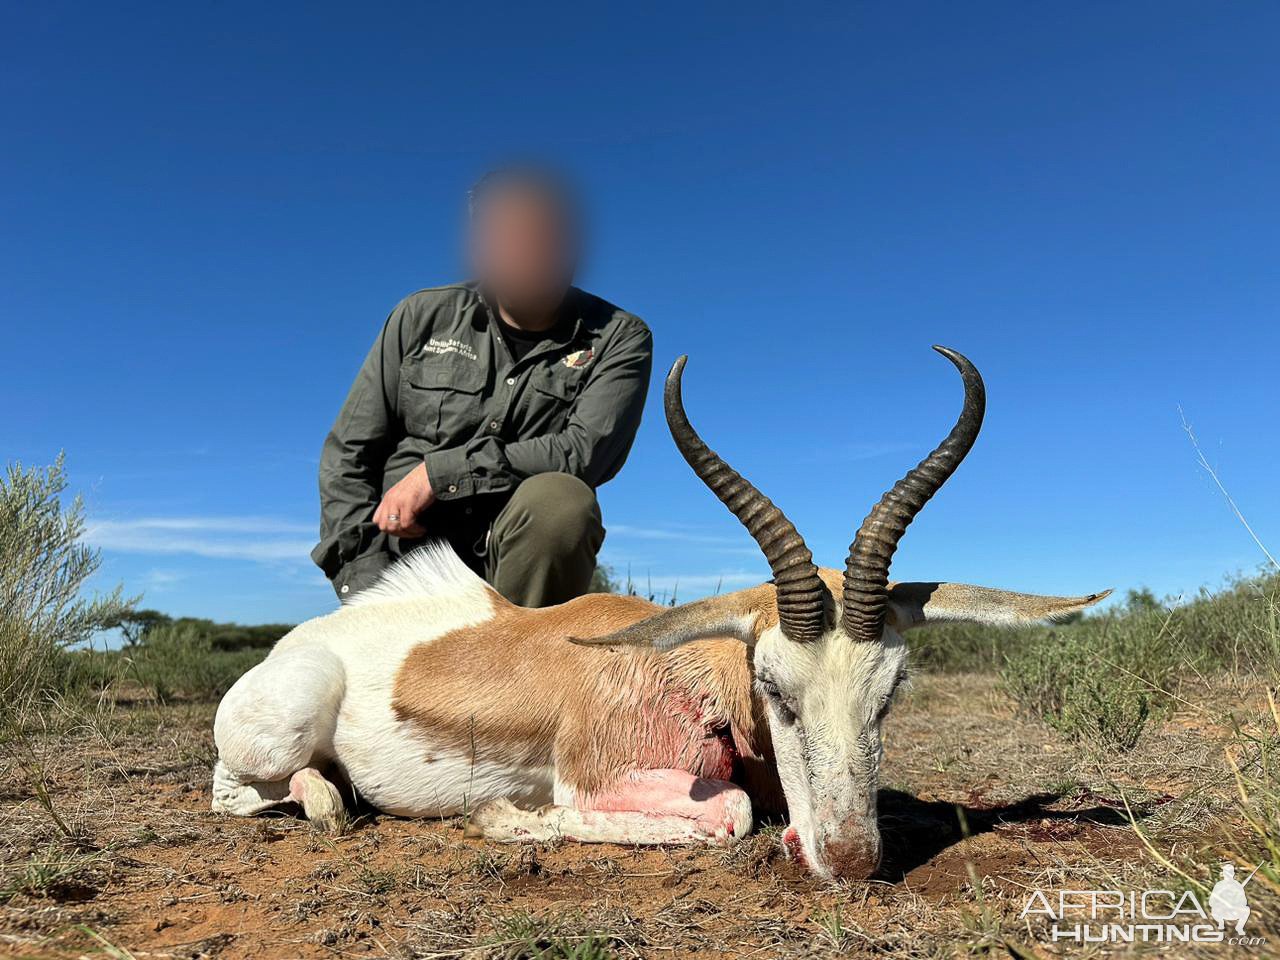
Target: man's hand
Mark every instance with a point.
(399, 510)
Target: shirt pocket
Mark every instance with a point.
(440, 401)
(552, 395)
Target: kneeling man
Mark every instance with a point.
(488, 412)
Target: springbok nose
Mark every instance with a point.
(853, 857)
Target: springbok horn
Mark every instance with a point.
(801, 609)
(866, 576)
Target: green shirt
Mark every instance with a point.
(440, 385)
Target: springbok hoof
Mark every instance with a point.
(490, 815)
(320, 800)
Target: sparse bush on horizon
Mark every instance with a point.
(138, 627)
(602, 580)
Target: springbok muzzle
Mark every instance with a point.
(853, 851)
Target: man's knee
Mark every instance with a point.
(556, 508)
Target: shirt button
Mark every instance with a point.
(493, 424)
(346, 588)
(453, 488)
(511, 381)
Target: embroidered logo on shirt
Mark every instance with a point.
(578, 359)
(449, 346)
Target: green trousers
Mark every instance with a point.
(537, 548)
(543, 545)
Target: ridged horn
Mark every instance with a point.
(801, 603)
(866, 577)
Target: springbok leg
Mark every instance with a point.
(271, 728)
(245, 798)
(648, 807)
(320, 800)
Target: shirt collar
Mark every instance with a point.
(571, 310)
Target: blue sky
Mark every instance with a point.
(209, 210)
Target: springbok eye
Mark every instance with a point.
(770, 690)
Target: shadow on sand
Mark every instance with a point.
(916, 831)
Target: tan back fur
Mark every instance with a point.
(515, 689)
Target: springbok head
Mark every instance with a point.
(827, 647)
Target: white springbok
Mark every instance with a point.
(609, 718)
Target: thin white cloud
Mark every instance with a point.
(153, 579)
(667, 533)
(855, 452)
(288, 543)
(257, 539)
(221, 524)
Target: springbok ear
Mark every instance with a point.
(742, 615)
(915, 604)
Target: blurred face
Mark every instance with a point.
(523, 250)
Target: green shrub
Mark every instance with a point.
(1237, 628)
(1100, 679)
(1071, 681)
(43, 567)
(962, 647)
(182, 661)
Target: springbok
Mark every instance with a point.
(609, 718)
